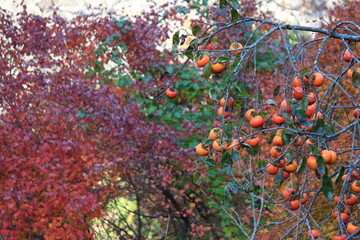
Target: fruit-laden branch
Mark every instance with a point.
(331, 33)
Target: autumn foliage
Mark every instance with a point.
(104, 136)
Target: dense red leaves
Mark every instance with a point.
(69, 146)
(48, 160)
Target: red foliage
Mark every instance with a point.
(69, 146)
(48, 155)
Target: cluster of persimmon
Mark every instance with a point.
(294, 198)
(217, 67)
(346, 207)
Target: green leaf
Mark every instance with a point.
(226, 162)
(196, 177)
(176, 38)
(320, 162)
(195, 30)
(327, 186)
(285, 138)
(279, 177)
(235, 156)
(314, 149)
(276, 91)
(356, 79)
(340, 174)
(302, 165)
(259, 96)
(235, 4)
(271, 137)
(271, 102)
(207, 71)
(322, 128)
(234, 15)
(223, 4)
(300, 112)
(261, 163)
(233, 187)
(189, 54)
(289, 122)
(242, 93)
(263, 114)
(223, 59)
(253, 151)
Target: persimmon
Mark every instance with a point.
(219, 145)
(230, 102)
(309, 141)
(298, 142)
(333, 157)
(304, 198)
(235, 45)
(355, 186)
(350, 72)
(345, 217)
(277, 140)
(336, 199)
(257, 121)
(281, 163)
(250, 114)
(351, 228)
(275, 152)
(215, 133)
(286, 175)
(217, 67)
(311, 98)
(311, 162)
(288, 194)
(171, 93)
(201, 150)
(214, 158)
(316, 116)
(297, 82)
(271, 169)
(353, 199)
(221, 111)
(342, 237)
(207, 47)
(279, 132)
(234, 144)
(318, 79)
(306, 79)
(313, 233)
(253, 142)
(203, 61)
(355, 175)
(294, 204)
(348, 209)
(310, 110)
(284, 106)
(327, 156)
(347, 56)
(291, 167)
(277, 119)
(298, 93)
(356, 113)
(344, 177)
(334, 213)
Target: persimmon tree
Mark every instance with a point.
(286, 144)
